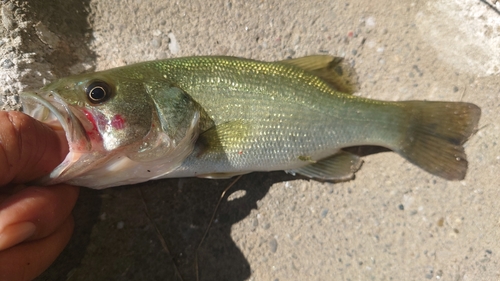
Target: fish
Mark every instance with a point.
(219, 116)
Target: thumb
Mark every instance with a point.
(29, 149)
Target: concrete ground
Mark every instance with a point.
(393, 222)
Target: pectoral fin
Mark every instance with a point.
(227, 137)
(334, 70)
(340, 166)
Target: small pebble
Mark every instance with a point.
(7, 63)
(324, 213)
(273, 245)
(420, 73)
(370, 22)
(156, 43)
(8, 18)
(255, 223)
(173, 46)
(439, 274)
(120, 225)
(236, 195)
(430, 273)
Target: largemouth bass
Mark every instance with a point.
(217, 117)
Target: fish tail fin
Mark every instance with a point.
(435, 136)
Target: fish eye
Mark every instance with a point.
(98, 92)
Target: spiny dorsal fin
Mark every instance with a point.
(338, 167)
(334, 70)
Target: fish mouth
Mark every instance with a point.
(53, 111)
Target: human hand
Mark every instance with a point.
(35, 222)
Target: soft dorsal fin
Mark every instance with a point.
(334, 70)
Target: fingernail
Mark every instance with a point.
(15, 234)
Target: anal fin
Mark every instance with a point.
(338, 167)
(221, 175)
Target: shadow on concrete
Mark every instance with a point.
(115, 239)
(124, 243)
(182, 209)
(59, 36)
(86, 214)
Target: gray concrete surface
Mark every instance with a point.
(393, 222)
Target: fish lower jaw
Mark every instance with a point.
(121, 170)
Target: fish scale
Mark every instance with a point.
(217, 117)
(302, 93)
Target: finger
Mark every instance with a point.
(28, 260)
(34, 213)
(28, 148)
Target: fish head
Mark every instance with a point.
(116, 132)
(114, 113)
